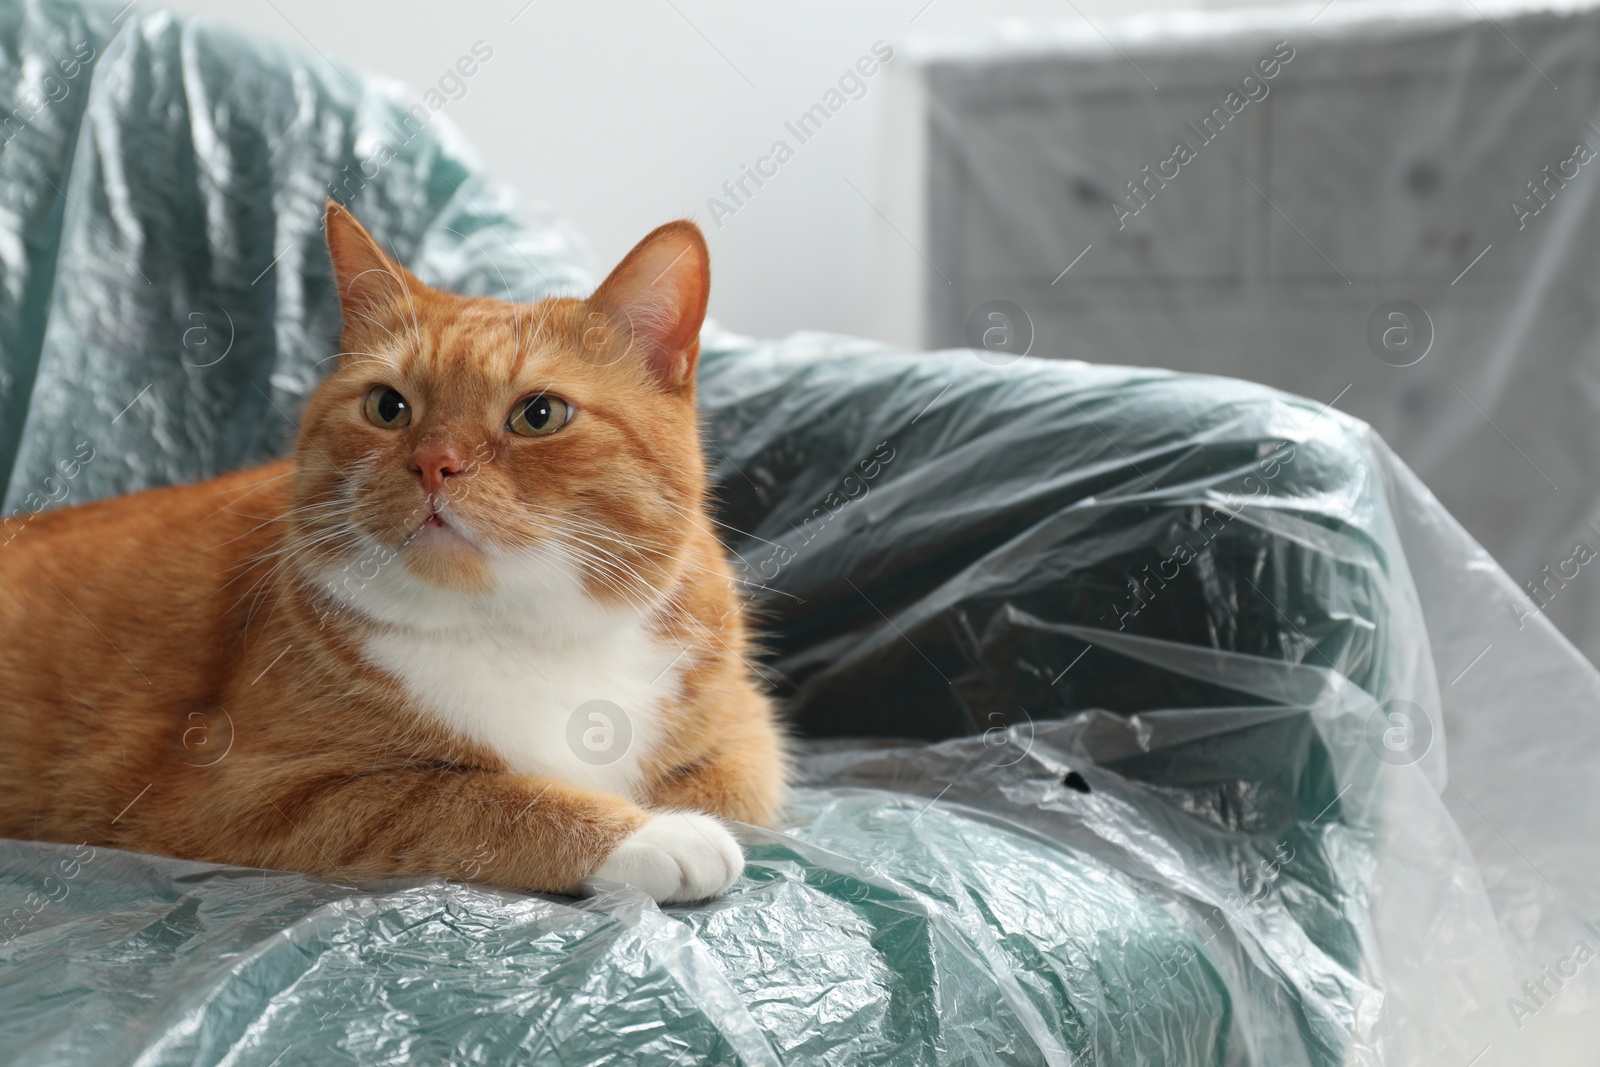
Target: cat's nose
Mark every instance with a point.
(433, 464)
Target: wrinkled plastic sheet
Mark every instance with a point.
(1277, 720)
(878, 930)
(1436, 153)
(993, 926)
(1145, 808)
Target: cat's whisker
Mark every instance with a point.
(253, 486)
(607, 573)
(634, 543)
(292, 515)
(694, 623)
(609, 532)
(702, 517)
(290, 545)
(281, 556)
(268, 581)
(372, 357)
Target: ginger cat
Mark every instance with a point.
(478, 626)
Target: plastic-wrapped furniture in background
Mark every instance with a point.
(1299, 173)
(1163, 652)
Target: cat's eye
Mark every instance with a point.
(387, 408)
(539, 415)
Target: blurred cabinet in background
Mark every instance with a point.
(1249, 193)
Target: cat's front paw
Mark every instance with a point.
(677, 857)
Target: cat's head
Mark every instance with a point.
(468, 456)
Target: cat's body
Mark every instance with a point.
(429, 644)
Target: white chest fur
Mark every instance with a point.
(584, 712)
(567, 690)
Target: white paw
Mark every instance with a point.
(676, 858)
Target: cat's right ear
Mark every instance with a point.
(370, 284)
(657, 295)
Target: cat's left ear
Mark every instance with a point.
(658, 295)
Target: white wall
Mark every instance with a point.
(626, 113)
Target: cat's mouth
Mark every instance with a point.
(442, 551)
(435, 524)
